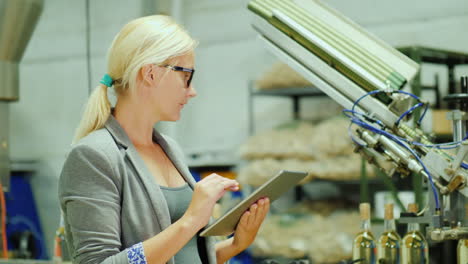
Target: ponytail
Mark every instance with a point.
(96, 113)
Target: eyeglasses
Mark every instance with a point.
(182, 69)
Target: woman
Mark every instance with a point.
(125, 193)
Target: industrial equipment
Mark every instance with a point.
(371, 80)
(18, 19)
(17, 22)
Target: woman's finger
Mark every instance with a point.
(260, 210)
(230, 185)
(210, 177)
(253, 211)
(216, 180)
(267, 205)
(245, 219)
(264, 206)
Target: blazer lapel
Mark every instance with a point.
(157, 199)
(152, 188)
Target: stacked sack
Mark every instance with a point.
(323, 237)
(320, 231)
(279, 76)
(323, 150)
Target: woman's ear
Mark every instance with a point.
(148, 73)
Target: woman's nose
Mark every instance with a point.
(192, 92)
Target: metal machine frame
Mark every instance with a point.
(445, 170)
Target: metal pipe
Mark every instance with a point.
(17, 22)
(458, 128)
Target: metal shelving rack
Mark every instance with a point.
(451, 59)
(295, 93)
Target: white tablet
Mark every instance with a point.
(273, 188)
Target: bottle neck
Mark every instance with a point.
(389, 225)
(365, 225)
(413, 227)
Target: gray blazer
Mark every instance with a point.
(110, 200)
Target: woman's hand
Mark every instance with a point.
(249, 224)
(206, 193)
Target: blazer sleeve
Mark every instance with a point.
(89, 194)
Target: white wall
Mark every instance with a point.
(54, 83)
(54, 87)
(228, 57)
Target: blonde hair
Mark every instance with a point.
(146, 40)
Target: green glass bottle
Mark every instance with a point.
(414, 248)
(462, 251)
(364, 245)
(388, 246)
(462, 248)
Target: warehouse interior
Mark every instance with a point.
(369, 98)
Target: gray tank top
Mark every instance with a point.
(178, 200)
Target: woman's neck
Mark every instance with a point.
(137, 122)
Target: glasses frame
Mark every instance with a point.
(182, 69)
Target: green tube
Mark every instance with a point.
(325, 34)
(347, 42)
(264, 9)
(259, 9)
(328, 35)
(322, 54)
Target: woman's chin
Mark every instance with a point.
(173, 118)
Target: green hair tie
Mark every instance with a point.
(107, 80)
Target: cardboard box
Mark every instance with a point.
(440, 124)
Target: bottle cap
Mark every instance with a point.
(388, 211)
(364, 209)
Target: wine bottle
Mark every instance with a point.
(414, 249)
(364, 246)
(388, 246)
(462, 248)
(462, 251)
